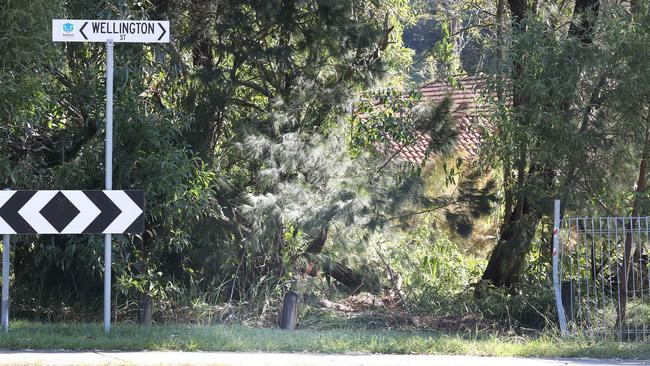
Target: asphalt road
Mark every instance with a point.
(277, 359)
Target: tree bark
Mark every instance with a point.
(317, 245)
(353, 280)
(507, 260)
(500, 62)
(317, 263)
(582, 23)
(626, 267)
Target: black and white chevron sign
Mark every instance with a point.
(71, 212)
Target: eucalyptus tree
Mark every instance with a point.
(532, 132)
(566, 132)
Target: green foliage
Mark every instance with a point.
(597, 131)
(432, 267)
(233, 131)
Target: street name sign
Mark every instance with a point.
(118, 31)
(71, 212)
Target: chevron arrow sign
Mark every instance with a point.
(71, 212)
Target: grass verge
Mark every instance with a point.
(126, 337)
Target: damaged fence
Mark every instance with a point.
(601, 277)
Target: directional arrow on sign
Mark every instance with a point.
(4, 227)
(81, 30)
(129, 212)
(9, 211)
(31, 212)
(71, 212)
(87, 212)
(109, 211)
(164, 31)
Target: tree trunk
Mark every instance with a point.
(353, 280)
(317, 245)
(318, 263)
(626, 267)
(508, 259)
(500, 62)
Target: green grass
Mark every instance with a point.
(126, 337)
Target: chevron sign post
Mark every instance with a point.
(71, 212)
(66, 212)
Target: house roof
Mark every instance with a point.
(467, 109)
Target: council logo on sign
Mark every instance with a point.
(67, 30)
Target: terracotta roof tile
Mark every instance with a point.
(467, 110)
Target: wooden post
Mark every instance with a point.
(145, 312)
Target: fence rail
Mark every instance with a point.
(602, 281)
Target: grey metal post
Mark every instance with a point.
(556, 265)
(5, 283)
(109, 181)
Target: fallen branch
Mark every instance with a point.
(397, 289)
(336, 306)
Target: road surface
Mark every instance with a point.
(278, 359)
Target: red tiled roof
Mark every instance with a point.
(467, 109)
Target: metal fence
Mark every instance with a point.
(602, 282)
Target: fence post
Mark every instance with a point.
(289, 311)
(556, 264)
(569, 295)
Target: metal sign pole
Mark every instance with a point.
(556, 265)
(5, 283)
(109, 181)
